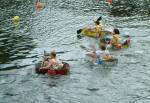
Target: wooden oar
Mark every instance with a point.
(88, 49)
(79, 31)
(85, 48)
(68, 59)
(43, 59)
(59, 52)
(99, 19)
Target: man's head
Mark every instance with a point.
(53, 54)
(116, 31)
(97, 22)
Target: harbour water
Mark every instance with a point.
(54, 28)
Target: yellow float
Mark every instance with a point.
(16, 19)
(90, 33)
(95, 32)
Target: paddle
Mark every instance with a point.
(79, 31)
(79, 36)
(88, 49)
(60, 52)
(85, 48)
(68, 59)
(99, 19)
(42, 64)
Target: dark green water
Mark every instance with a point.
(54, 28)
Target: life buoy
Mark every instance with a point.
(39, 6)
(119, 46)
(109, 2)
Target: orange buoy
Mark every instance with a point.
(39, 6)
(109, 2)
(119, 46)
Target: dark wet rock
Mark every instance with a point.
(10, 94)
(93, 89)
(52, 85)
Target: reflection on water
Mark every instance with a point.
(130, 7)
(15, 40)
(14, 46)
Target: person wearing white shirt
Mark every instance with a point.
(102, 54)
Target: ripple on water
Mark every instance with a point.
(7, 78)
(55, 28)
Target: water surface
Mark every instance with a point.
(54, 28)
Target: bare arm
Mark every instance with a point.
(49, 65)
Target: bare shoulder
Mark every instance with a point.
(52, 60)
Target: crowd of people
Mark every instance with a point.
(115, 41)
(51, 61)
